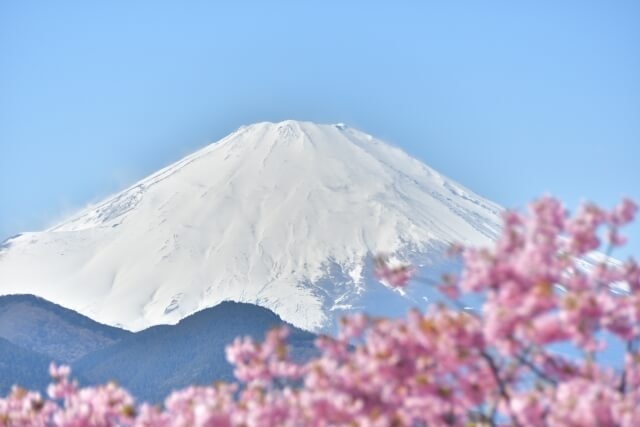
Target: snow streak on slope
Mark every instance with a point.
(284, 215)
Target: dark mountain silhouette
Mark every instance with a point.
(56, 332)
(150, 363)
(153, 362)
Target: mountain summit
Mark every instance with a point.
(283, 215)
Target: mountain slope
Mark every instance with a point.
(22, 367)
(284, 215)
(153, 362)
(56, 333)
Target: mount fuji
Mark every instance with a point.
(284, 215)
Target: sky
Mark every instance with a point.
(511, 99)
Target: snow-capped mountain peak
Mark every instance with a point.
(284, 215)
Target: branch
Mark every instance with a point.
(501, 385)
(622, 388)
(535, 369)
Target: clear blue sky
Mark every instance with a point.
(511, 99)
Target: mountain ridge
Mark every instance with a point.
(162, 358)
(51, 330)
(150, 363)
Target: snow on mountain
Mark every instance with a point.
(284, 215)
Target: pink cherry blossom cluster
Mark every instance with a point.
(396, 276)
(443, 367)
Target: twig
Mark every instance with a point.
(501, 386)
